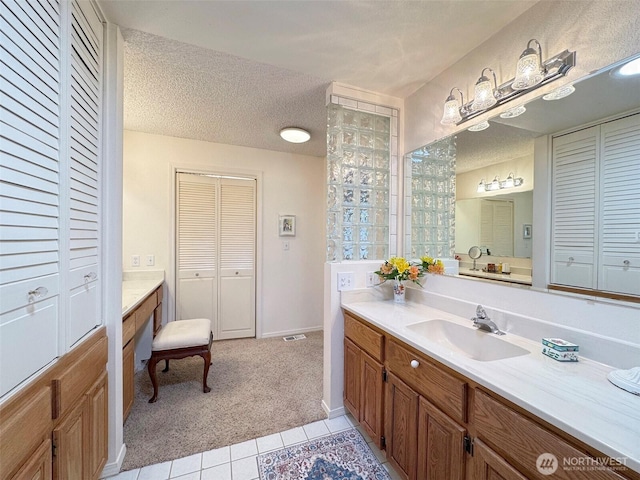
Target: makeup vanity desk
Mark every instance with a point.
(142, 294)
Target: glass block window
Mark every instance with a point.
(358, 184)
(430, 187)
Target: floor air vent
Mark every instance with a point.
(291, 338)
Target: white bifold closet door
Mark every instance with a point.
(215, 252)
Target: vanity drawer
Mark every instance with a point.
(128, 328)
(449, 393)
(522, 441)
(365, 337)
(144, 311)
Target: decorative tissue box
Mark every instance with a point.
(560, 350)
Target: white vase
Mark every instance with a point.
(398, 291)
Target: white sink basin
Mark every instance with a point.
(470, 342)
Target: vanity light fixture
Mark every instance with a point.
(452, 108)
(513, 112)
(531, 73)
(495, 185)
(559, 93)
(478, 127)
(295, 135)
(510, 182)
(529, 70)
(484, 93)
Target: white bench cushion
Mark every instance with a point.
(182, 334)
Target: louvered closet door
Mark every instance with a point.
(237, 258)
(574, 208)
(620, 206)
(84, 170)
(197, 247)
(29, 188)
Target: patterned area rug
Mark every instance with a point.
(341, 456)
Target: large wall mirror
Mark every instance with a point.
(500, 220)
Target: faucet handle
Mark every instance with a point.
(480, 313)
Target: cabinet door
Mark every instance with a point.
(38, 467)
(128, 385)
(71, 445)
(371, 395)
(574, 208)
(352, 378)
(401, 427)
(440, 445)
(98, 433)
(620, 215)
(488, 465)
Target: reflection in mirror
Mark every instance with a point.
(495, 224)
(507, 147)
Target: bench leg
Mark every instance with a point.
(207, 361)
(151, 366)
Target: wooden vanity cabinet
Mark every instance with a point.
(424, 442)
(363, 377)
(58, 423)
(440, 425)
(134, 321)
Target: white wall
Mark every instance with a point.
(291, 296)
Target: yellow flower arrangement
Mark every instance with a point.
(398, 268)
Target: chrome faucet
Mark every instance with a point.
(483, 322)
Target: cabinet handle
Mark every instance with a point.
(90, 276)
(571, 259)
(38, 292)
(197, 274)
(415, 363)
(626, 263)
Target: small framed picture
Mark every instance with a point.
(526, 230)
(287, 225)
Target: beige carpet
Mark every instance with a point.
(258, 387)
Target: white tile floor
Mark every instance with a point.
(238, 462)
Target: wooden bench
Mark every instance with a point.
(181, 339)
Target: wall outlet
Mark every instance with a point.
(135, 260)
(346, 281)
(372, 279)
(151, 260)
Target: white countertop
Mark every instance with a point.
(136, 286)
(575, 397)
(512, 277)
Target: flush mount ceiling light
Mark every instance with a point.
(485, 95)
(529, 70)
(478, 127)
(531, 73)
(629, 69)
(295, 135)
(559, 93)
(451, 114)
(513, 112)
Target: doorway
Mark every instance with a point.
(216, 252)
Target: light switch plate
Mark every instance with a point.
(346, 281)
(372, 279)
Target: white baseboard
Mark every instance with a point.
(336, 412)
(112, 469)
(285, 333)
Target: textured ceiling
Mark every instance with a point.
(237, 71)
